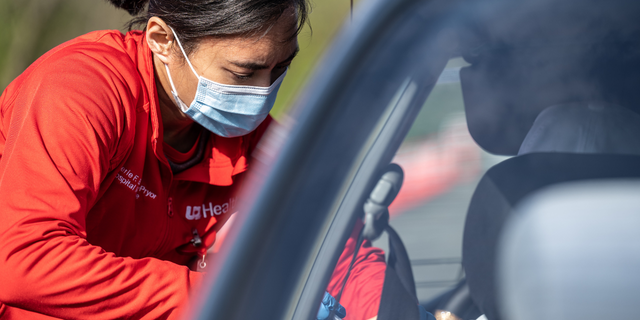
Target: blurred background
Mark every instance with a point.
(29, 28)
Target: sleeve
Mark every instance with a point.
(362, 292)
(64, 128)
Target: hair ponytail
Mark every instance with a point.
(134, 7)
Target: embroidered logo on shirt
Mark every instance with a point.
(208, 210)
(132, 181)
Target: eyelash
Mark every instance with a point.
(242, 76)
(248, 76)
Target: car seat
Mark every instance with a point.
(569, 142)
(571, 252)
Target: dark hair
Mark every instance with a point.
(193, 20)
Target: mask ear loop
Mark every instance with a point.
(175, 35)
(173, 88)
(177, 99)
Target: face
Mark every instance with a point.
(249, 61)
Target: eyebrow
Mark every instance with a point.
(293, 55)
(258, 66)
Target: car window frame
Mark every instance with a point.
(233, 295)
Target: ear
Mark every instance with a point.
(159, 39)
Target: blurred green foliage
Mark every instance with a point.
(326, 19)
(29, 28)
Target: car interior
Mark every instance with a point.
(554, 97)
(566, 234)
(488, 106)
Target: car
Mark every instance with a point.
(494, 109)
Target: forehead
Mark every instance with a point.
(270, 45)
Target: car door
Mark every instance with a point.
(348, 125)
(312, 175)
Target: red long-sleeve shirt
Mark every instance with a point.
(361, 295)
(93, 222)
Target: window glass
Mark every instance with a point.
(513, 79)
(565, 110)
(442, 166)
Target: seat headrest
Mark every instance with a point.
(584, 128)
(503, 187)
(571, 252)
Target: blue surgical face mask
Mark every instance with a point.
(227, 110)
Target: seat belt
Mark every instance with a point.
(399, 299)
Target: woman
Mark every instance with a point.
(120, 155)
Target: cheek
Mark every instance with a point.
(214, 70)
(185, 82)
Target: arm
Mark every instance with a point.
(361, 295)
(63, 126)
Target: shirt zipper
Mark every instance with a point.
(170, 207)
(165, 234)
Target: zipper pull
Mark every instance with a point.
(202, 264)
(196, 240)
(170, 207)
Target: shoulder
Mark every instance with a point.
(91, 80)
(94, 71)
(97, 61)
